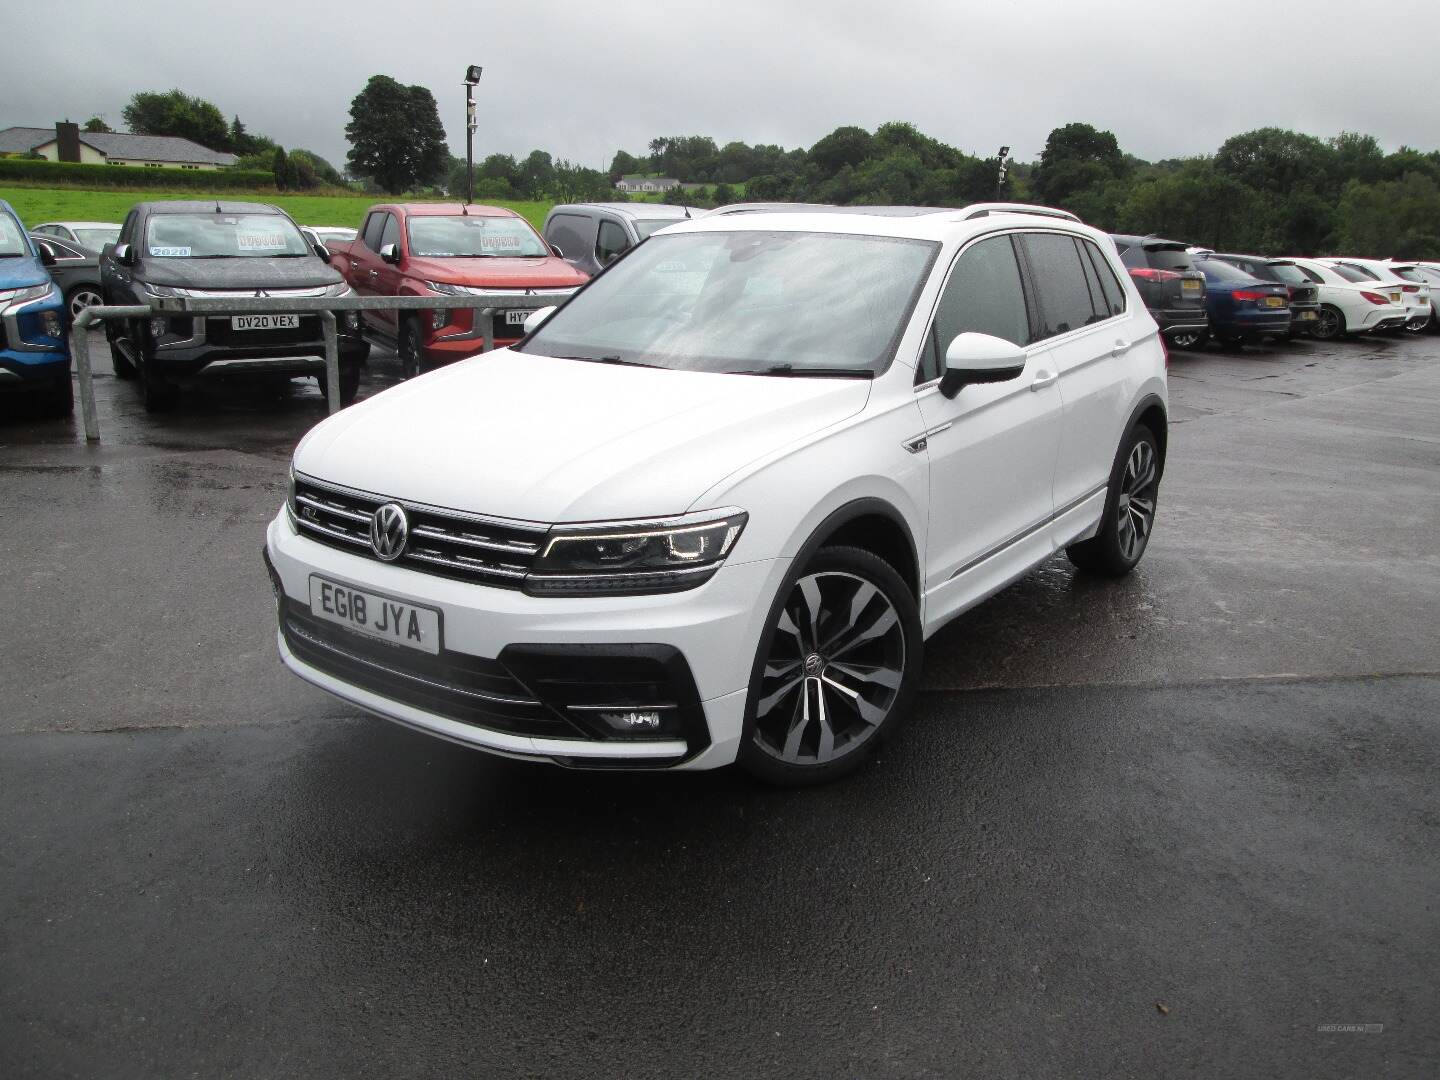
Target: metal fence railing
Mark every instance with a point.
(484, 304)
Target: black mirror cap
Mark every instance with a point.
(555, 250)
(47, 253)
(956, 379)
(322, 251)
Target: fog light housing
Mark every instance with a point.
(52, 324)
(352, 321)
(158, 326)
(438, 318)
(633, 720)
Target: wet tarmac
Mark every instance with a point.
(1174, 825)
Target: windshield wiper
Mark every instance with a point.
(607, 360)
(791, 371)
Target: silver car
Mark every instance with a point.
(590, 236)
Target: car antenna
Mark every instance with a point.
(217, 207)
(686, 208)
(463, 211)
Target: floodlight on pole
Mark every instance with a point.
(472, 76)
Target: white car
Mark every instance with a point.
(1348, 306)
(1381, 275)
(1427, 274)
(712, 507)
(91, 234)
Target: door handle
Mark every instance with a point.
(374, 273)
(1043, 379)
(1121, 348)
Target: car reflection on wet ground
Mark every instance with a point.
(1208, 787)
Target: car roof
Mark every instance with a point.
(635, 211)
(206, 206)
(81, 224)
(907, 222)
(429, 209)
(1251, 258)
(1147, 242)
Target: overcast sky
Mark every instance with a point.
(582, 80)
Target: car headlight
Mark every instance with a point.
(444, 288)
(339, 289)
(161, 290)
(633, 560)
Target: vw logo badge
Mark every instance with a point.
(389, 529)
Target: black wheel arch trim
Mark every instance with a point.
(1143, 406)
(867, 506)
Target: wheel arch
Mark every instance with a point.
(1150, 412)
(874, 525)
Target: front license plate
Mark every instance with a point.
(1189, 286)
(1305, 315)
(381, 617)
(516, 317)
(1274, 301)
(265, 322)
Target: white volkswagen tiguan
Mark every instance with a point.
(711, 508)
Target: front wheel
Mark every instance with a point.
(349, 382)
(409, 349)
(1129, 510)
(836, 668)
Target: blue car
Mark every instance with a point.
(1241, 307)
(34, 342)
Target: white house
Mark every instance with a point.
(646, 183)
(66, 142)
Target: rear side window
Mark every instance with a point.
(390, 234)
(574, 234)
(1285, 273)
(1406, 273)
(1110, 289)
(1220, 270)
(985, 295)
(1353, 273)
(371, 236)
(611, 241)
(1060, 285)
(1311, 274)
(1169, 258)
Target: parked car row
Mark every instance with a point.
(34, 330)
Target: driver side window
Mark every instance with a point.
(985, 294)
(611, 242)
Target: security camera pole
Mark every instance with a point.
(472, 76)
(1000, 178)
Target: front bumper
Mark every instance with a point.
(30, 358)
(195, 346)
(526, 668)
(1184, 320)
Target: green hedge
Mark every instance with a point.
(133, 176)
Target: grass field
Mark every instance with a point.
(37, 204)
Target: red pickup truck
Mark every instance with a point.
(446, 249)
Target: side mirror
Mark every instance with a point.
(536, 317)
(555, 250)
(390, 253)
(323, 252)
(979, 358)
(124, 255)
(47, 253)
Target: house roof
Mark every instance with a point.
(636, 179)
(118, 144)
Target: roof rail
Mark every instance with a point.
(979, 210)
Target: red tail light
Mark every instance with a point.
(1248, 294)
(1147, 274)
(1375, 298)
(1409, 288)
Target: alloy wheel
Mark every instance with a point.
(1327, 324)
(81, 299)
(1135, 510)
(409, 351)
(834, 671)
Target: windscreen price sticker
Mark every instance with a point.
(494, 243)
(253, 241)
(170, 252)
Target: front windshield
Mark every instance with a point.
(12, 240)
(746, 302)
(222, 236)
(473, 237)
(97, 238)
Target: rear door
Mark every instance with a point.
(365, 263)
(992, 447)
(1090, 335)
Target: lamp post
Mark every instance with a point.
(472, 76)
(1000, 175)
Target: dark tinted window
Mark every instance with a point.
(1110, 286)
(1406, 273)
(1353, 273)
(984, 295)
(390, 234)
(371, 236)
(571, 233)
(1098, 302)
(611, 241)
(1286, 273)
(1219, 270)
(1311, 274)
(1134, 257)
(1169, 258)
(1063, 296)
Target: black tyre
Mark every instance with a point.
(836, 669)
(1129, 509)
(1190, 339)
(124, 369)
(349, 382)
(81, 297)
(1329, 325)
(161, 395)
(408, 348)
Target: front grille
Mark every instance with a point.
(220, 331)
(448, 543)
(470, 689)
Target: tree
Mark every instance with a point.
(1393, 219)
(315, 169)
(843, 146)
(624, 164)
(96, 124)
(535, 175)
(395, 134)
(179, 114)
(281, 169)
(1277, 161)
(1076, 157)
